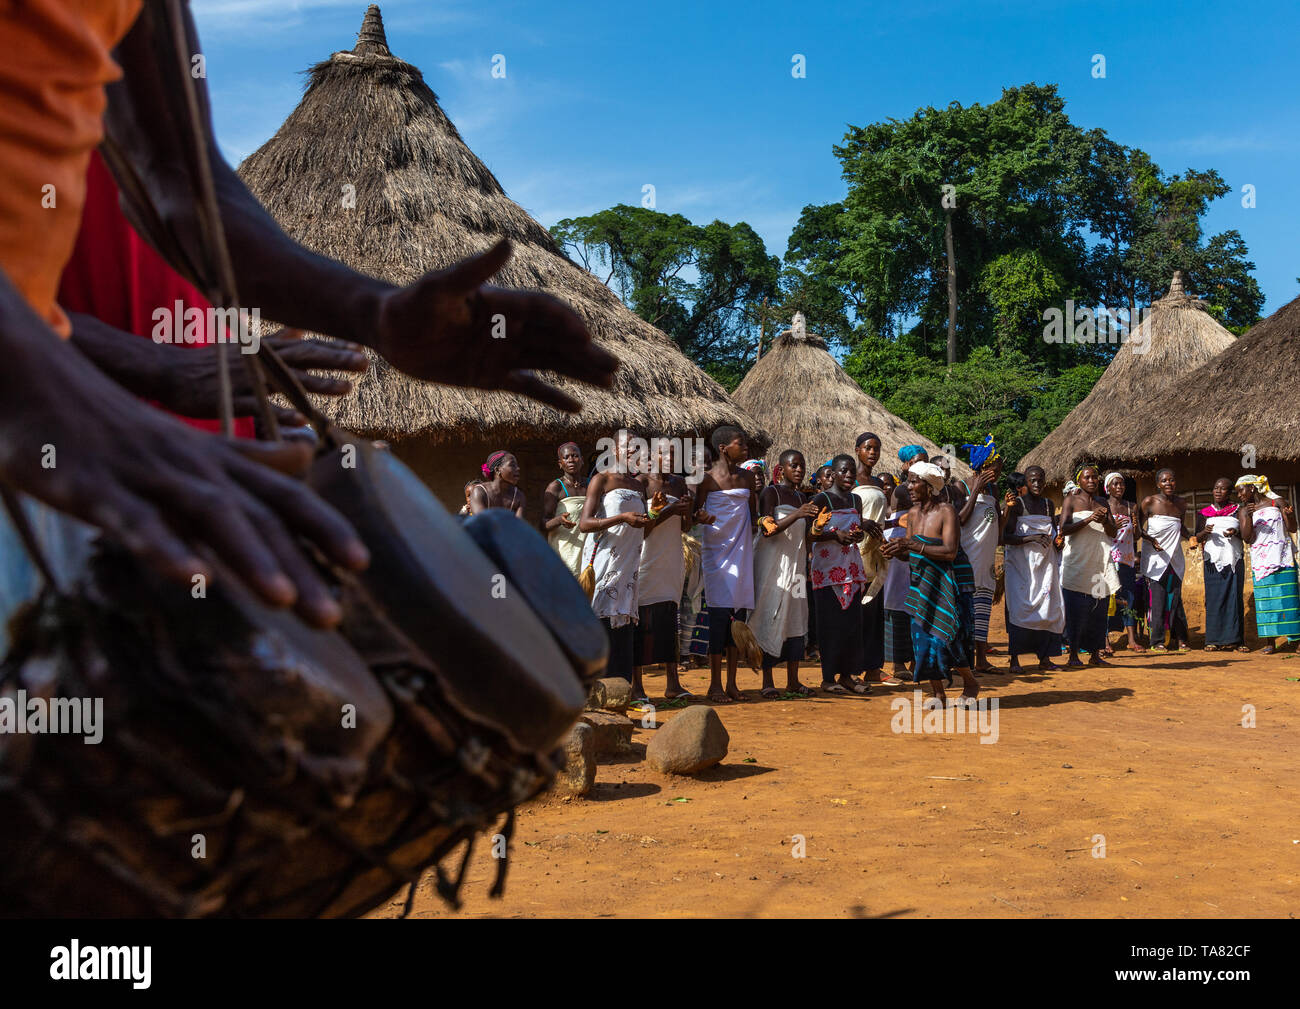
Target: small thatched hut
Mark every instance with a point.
(1239, 405)
(1147, 378)
(369, 170)
(809, 403)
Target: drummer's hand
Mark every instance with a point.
(189, 375)
(170, 494)
(450, 327)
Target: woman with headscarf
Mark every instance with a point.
(1218, 532)
(1123, 555)
(500, 486)
(940, 618)
(1266, 522)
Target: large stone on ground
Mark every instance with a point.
(579, 771)
(689, 743)
(612, 732)
(610, 694)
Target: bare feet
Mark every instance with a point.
(735, 693)
(719, 696)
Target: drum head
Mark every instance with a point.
(549, 587)
(499, 662)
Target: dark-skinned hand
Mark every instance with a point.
(440, 328)
(169, 493)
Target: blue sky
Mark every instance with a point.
(698, 99)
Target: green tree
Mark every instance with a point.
(699, 284)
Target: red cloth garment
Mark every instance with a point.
(116, 276)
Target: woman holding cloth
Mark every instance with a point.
(1088, 576)
(562, 505)
(1123, 555)
(1163, 563)
(1218, 531)
(838, 580)
(1266, 522)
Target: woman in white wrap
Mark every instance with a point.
(779, 619)
(1163, 563)
(614, 518)
(727, 519)
(1267, 523)
(662, 574)
(562, 505)
(1035, 611)
(1218, 531)
(1088, 575)
(981, 528)
(873, 506)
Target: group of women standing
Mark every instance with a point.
(805, 553)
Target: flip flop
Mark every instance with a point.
(685, 695)
(1243, 648)
(770, 692)
(1211, 648)
(834, 688)
(802, 690)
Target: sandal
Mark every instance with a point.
(1242, 648)
(771, 693)
(1211, 648)
(834, 688)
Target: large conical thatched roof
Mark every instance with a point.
(424, 201)
(811, 404)
(1246, 394)
(1149, 371)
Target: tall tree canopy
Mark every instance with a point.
(700, 284)
(1044, 212)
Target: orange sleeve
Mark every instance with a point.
(56, 63)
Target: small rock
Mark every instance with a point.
(579, 771)
(612, 693)
(612, 732)
(694, 740)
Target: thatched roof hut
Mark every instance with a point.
(369, 170)
(811, 404)
(1148, 376)
(1239, 404)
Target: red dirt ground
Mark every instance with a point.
(1198, 812)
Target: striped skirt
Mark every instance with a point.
(983, 603)
(1277, 604)
(898, 636)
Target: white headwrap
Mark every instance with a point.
(928, 472)
(1111, 476)
(1260, 483)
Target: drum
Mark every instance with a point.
(249, 766)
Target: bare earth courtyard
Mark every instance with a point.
(1198, 813)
